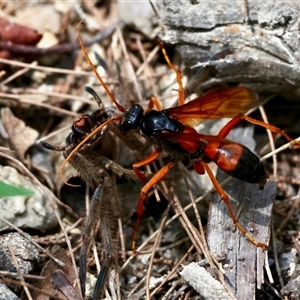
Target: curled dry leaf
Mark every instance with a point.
(21, 137)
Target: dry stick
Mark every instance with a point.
(295, 206)
(202, 236)
(137, 286)
(175, 244)
(290, 213)
(112, 286)
(172, 288)
(51, 107)
(31, 102)
(49, 196)
(271, 140)
(155, 246)
(122, 239)
(275, 291)
(147, 61)
(278, 270)
(11, 250)
(16, 74)
(147, 68)
(188, 295)
(267, 266)
(44, 69)
(189, 227)
(74, 225)
(187, 174)
(154, 9)
(61, 95)
(15, 274)
(174, 269)
(51, 70)
(16, 282)
(131, 70)
(296, 243)
(211, 259)
(282, 148)
(54, 133)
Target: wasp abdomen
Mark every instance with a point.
(236, 160)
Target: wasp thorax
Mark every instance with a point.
(132, 117)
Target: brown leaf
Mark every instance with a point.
(61, 282)
(21, 136)
(18, 34)
(67, 277)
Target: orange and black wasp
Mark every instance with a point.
(173, 130)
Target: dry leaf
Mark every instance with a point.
(21, 137)
(50, 272)
(18, 34)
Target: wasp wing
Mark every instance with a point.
(215, 104)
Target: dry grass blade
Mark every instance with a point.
(22, 281)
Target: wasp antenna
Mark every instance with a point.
(111, 96)
(96, 97)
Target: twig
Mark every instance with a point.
(11, 250)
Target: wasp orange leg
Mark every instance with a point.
(228, 127)
(154, 102)
(144, 191)
(268, 126)
(152, 157)
(178, 74)
(233, 122)
(226, 199)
